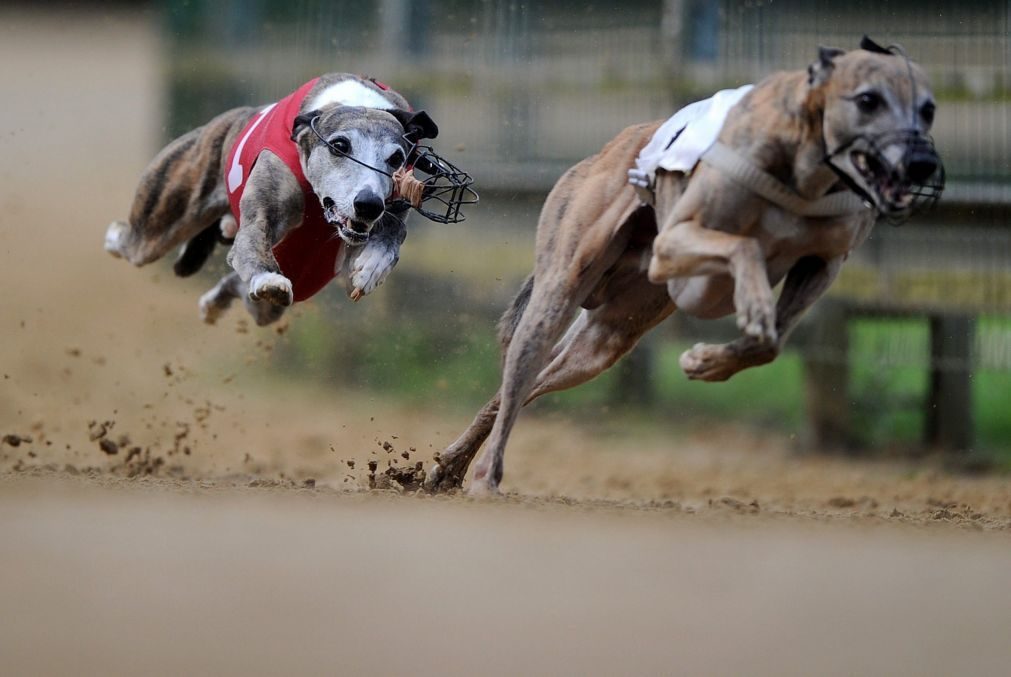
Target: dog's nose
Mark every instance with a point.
(368, 205)
(921, 167)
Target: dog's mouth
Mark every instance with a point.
(900, 173)
(893, 189)
(350, 230)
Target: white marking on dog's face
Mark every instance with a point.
(338, 180)
(351, 93)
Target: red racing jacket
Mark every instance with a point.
(308, 254)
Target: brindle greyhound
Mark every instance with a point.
(714, 245)
(350, 134)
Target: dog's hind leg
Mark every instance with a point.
(195, 253)
(591, 345)
(565, 275)
(180, 193)
(541, 325)
(452, 463)
(600, 337)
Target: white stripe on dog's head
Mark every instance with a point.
(351, 93)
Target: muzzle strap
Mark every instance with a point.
(765, 185)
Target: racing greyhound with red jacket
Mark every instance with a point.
(305, 186)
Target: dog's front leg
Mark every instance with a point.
(805, 283)
(687, 249)
(368, 266)
(272, 204)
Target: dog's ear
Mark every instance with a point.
(302, 122)
(869, 45)
(417, 125)
(820, 71)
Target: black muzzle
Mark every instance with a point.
(902, 169)
(447, 187)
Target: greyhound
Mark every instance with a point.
(801, 168)
(305, 187)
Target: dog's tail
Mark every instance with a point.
(511, 317)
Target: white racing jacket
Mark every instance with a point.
(679, 143)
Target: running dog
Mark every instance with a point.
(802, 166)
(305, 186)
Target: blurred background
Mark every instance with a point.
(910, 354)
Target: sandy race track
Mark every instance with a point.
(240, 539)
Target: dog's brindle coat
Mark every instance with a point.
(181, 198)
(719, 248)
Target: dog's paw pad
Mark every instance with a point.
(271, 287)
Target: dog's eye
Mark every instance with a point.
(341, 145)
(396, 160)
(927, 112)
(869, 102)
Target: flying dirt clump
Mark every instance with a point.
(396, 477)
(15, 440)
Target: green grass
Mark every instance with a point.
(419, 360)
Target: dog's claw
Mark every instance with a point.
(271, 287)
(356, 294)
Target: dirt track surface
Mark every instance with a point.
(238, 538)
(157, 577)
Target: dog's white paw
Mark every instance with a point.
(114, 238)
(370, 268)
(271, 287)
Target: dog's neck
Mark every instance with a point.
(794, 151)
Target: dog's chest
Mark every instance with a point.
(786, 237)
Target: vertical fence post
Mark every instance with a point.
(826, 378)
(949, 423)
